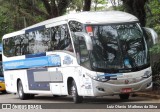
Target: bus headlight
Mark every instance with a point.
(100, 78)
(147, 74)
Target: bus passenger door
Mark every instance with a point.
(83, 59)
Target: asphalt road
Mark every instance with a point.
(89, 104)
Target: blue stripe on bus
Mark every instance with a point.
(110, 76)
(44, 61)
(35, 55)
(35, 29)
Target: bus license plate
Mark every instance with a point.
(126, 90)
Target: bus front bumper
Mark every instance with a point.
(104, 88)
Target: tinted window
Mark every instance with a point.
(60, 38)
(55, 38)
(117, 47)
(39, 41)
(75, 26)
(13, 46)
(81, 51)
(7, 49)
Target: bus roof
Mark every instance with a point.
(89, 17)
(101, 17)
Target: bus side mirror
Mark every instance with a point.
(152, 36)
(87, 39)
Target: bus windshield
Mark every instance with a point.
(118, 48)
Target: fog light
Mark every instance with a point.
(100, 89)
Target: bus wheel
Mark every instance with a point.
(56, 96)
(30, 96)
(21, 93)
(124, 96)
(74, 93)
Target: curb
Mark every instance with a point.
(150, 95)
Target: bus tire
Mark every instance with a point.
(74, 93)
(20, 91)
(30, 96)
(57, 96)
(124, 96)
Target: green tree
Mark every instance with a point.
(99, 2)
(137, 8)
(24, 13)
(153, 20)
(18, 14)
(56, 7)
(5, 19)
(76, 5)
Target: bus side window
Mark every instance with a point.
(81, 51)
(75, 26)
(76, 44)
(24, 44)
(19, 45)
(53, 38)
(46, 40)
(60, 38)
(9, 49)
(39, 41)
(5, 47)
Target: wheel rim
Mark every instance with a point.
(73, 91)
(20, 90)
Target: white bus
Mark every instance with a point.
(83, 54)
